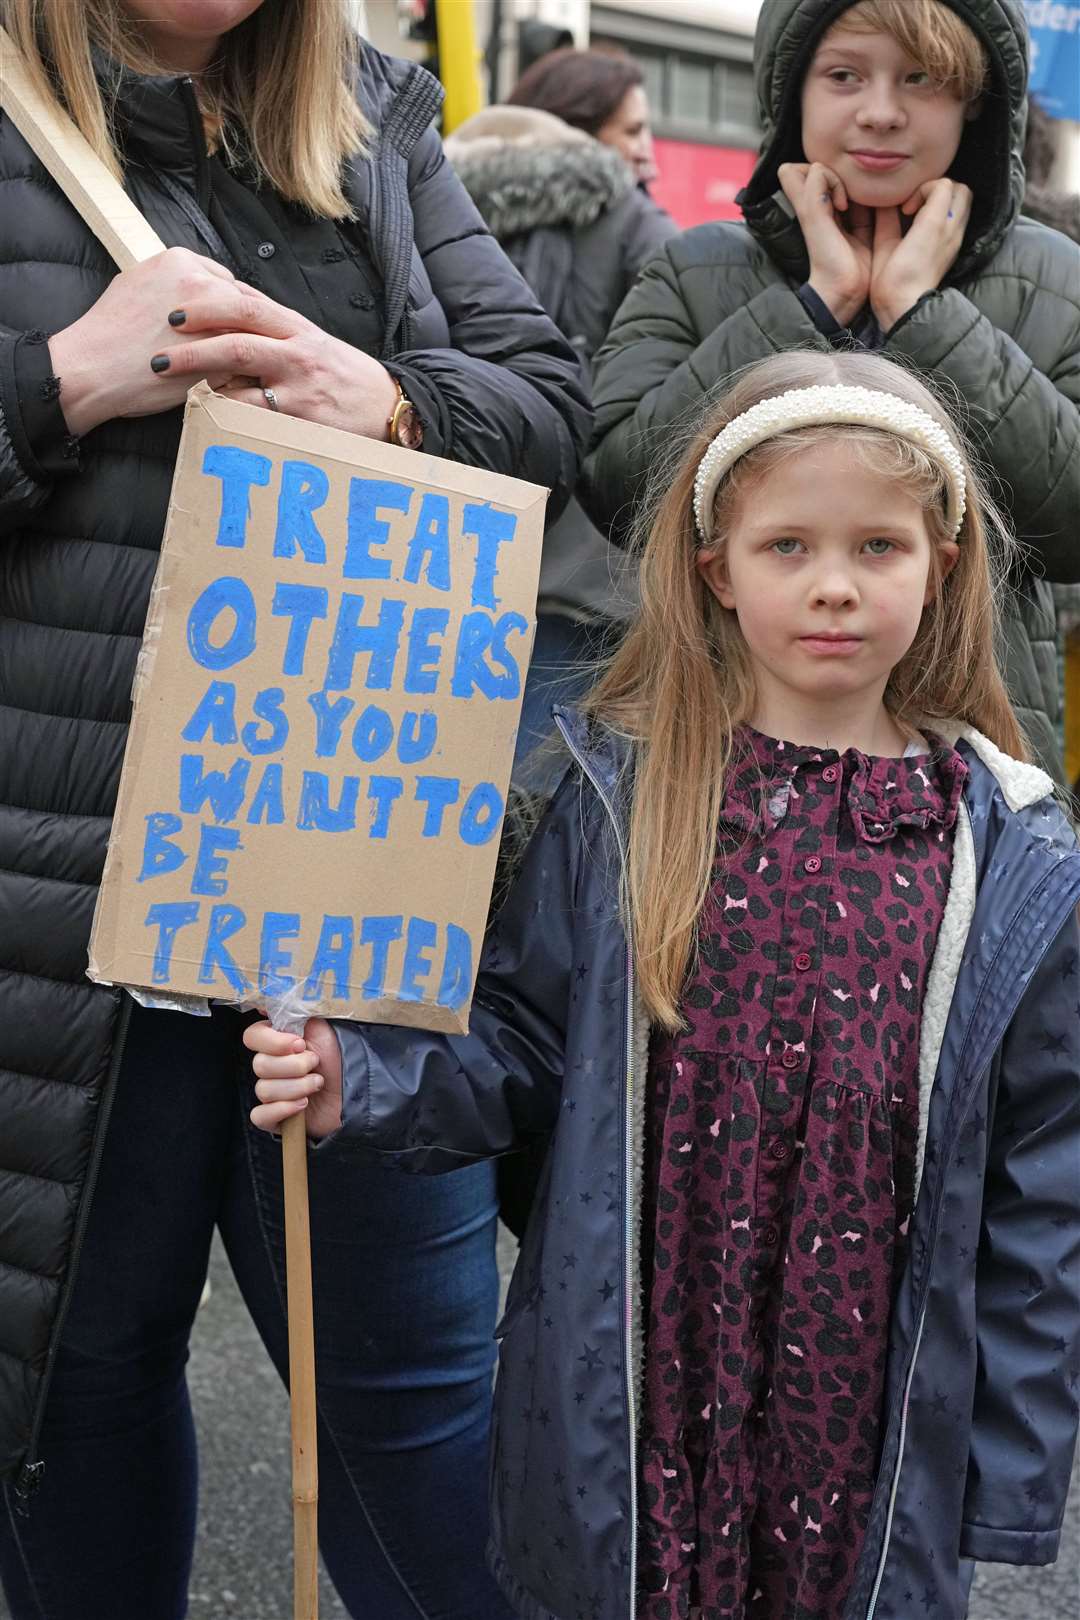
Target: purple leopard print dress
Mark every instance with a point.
(779, 1179)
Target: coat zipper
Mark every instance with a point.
(198, 142)
(895, 1488)
(896, 1472)
(629, 1281)
(30, 1475)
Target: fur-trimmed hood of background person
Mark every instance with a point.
(526, 168)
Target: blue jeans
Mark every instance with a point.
(563, 666)
(405, 1300)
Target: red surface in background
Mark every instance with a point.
(699, 182)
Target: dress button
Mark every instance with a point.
(830, 773)
(770, 1236)
(266, 250)
(803, 962)
(779, 1150)
(790, 1059)
(812, 863)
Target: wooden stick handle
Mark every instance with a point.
(73, 163)
(305, 1465)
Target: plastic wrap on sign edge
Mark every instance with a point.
(148, 648)
(288, 1011)
(198, 1006)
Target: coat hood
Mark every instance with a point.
(990, 159)
(525, 169)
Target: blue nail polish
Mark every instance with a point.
(178, 317)
(160, 362)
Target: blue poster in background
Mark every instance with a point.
(1055, 56)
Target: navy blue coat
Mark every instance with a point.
(981, 1397)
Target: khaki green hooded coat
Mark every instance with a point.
(1002, 331)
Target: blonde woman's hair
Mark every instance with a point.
(932, 34)
(284, 87)
(682, 681)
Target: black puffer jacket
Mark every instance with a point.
(566, 210)
(1002, 332)
(418, 281)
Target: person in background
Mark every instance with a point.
(1042, 201)
(885, 212)
(323, 260)
(564, 207)
(1061, 211)
(601, 92)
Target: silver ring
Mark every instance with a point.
(271, 399)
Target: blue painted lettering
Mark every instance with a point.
(224, 595)
(366, 529)
(224, 792)
(274, 979)
(160, 854)
(431, 539)
(316, 812)
(304, 487)
(455, 985)
(479, 634)
(379, 640)
(332, 955)
(267, 805)
(216, 713)
(481, 814)
(238, 470)
(380, 933)
(372, 735)
(210, 863)
(419, 942)
(436, 792)
(302, 604)
(225, 921)
(417, 736)
(267, 706)
(168, 917)
(329, 719)
(422, 666)
(492, 528)
(382, 791)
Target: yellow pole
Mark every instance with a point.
(1072, 706)
(459, 61)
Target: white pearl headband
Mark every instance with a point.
(810, 407)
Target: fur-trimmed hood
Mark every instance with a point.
(525, 168)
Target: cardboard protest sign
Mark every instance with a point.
(324, 720)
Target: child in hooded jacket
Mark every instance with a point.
(789, 978)
(884, 212)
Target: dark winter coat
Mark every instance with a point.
(981, 1399)
(1003, 330)
(418, 281)
(566, 210)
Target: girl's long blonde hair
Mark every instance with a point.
(286, 82)
(681, 682)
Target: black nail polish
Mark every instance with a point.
(160, 362)
(178, 317)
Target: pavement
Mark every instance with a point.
(243, 1558)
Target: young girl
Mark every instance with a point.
(790, 977)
